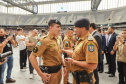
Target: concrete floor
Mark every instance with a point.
(23, 77)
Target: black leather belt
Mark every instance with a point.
(54, 69)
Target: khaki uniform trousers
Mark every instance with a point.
(56, 78)
(66, 77)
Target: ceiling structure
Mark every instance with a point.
(31, 5)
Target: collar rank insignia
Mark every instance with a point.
(90, 38)
(91, 47)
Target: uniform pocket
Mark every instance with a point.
(77, 52)
(53, 49)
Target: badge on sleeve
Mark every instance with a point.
(39, 43)
(35, 50)
(66, 43)
(91, 47)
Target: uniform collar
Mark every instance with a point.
(69, 37)
(50, 36)
(82, 38)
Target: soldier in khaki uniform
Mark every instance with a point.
(49, 48)
(120, 48)
(85, 55)
(68, 44)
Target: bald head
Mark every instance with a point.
(69, 33)
(34, 32)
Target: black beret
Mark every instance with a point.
(69, 29)
(54, 21)
(82, 22)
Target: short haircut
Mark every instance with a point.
(124, 30)
(19, 28)
(1, 28)
(53, 21)
(51, 24)
(99, 30)
(43, 30)
(112, 27)
(82, 22)
(70, 28)
(93, 25)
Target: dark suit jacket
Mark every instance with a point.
(112, 42)
(103, 42)
(98, 38)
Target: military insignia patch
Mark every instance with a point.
(91, 46)
(39, 43)
(52, 45)
(56, 21)
(35, 50)
(66, 43)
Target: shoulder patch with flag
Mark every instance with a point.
(91, 46)
(66, 43)
(39, 43)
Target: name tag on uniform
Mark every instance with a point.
(79, 46)
(52, 45)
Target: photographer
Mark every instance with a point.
(120, 48)
(1, 50)
(7, 41)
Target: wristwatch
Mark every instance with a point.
(123, 42)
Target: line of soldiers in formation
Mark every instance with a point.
(81, 58)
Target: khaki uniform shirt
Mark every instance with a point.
(121, 53)
(67, 43)
(86, 49)
(31, 40)
(49, 48)
(74, 40)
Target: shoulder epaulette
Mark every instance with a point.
(90, 38)
(42, 37)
